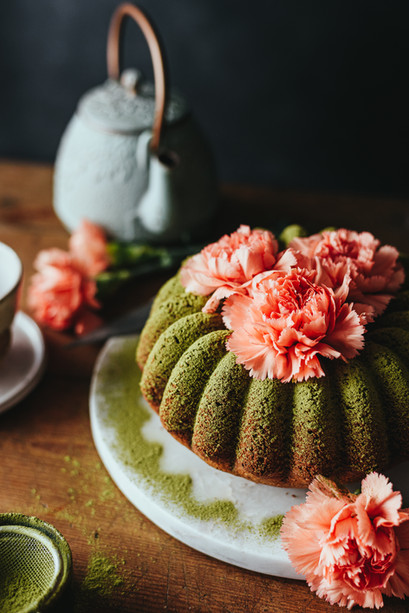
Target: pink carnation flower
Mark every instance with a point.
(351, 549)
(375, 272)
(224, 267)
(88, 247)
(59, 294)
(287, 321)
(62, 291)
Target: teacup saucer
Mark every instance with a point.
(23, 366)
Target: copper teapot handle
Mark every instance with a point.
(159, 73)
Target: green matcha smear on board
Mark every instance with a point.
(118, 387)
(271, 526)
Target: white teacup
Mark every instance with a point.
(11, 272)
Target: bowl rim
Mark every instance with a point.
(59, 544)
(15, 286)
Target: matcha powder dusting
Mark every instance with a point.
(101, 580)
(127, 417)
(124, 414)
(102, 575)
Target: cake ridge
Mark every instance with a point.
(264, 417)
(314, 447)
(179, 390)
(182, 334)
(364, 422)
(174, 303)
(393, 377)
(218, 412)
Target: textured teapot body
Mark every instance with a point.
(99, 176)
(132, 159)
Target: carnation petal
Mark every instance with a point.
(59, 290)
(88, 247)
(375, 271)
(398, 584)
(325, 543)
(338, 592)
(372, 304)
(298, 540)
(286, 260)
(235, 310)
(347, 336)
(381, 503)
(385, 260)
(52, 257)
(229, 263)
(286, 322)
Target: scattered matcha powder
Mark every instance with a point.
(103, 578)
(102, 575)
(118, 389)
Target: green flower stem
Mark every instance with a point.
(129, 255)
(132, 260)
(123, 255)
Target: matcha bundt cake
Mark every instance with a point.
(277, 360)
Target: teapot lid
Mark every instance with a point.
(127, 106)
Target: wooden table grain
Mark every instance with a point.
(49, 466)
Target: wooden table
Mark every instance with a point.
(50, 468)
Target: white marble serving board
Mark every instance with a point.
(244, 543)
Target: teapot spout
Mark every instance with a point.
(159, 215)
(143, 148)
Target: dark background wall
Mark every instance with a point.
(290, 93)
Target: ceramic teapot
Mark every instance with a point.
(132, 159)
